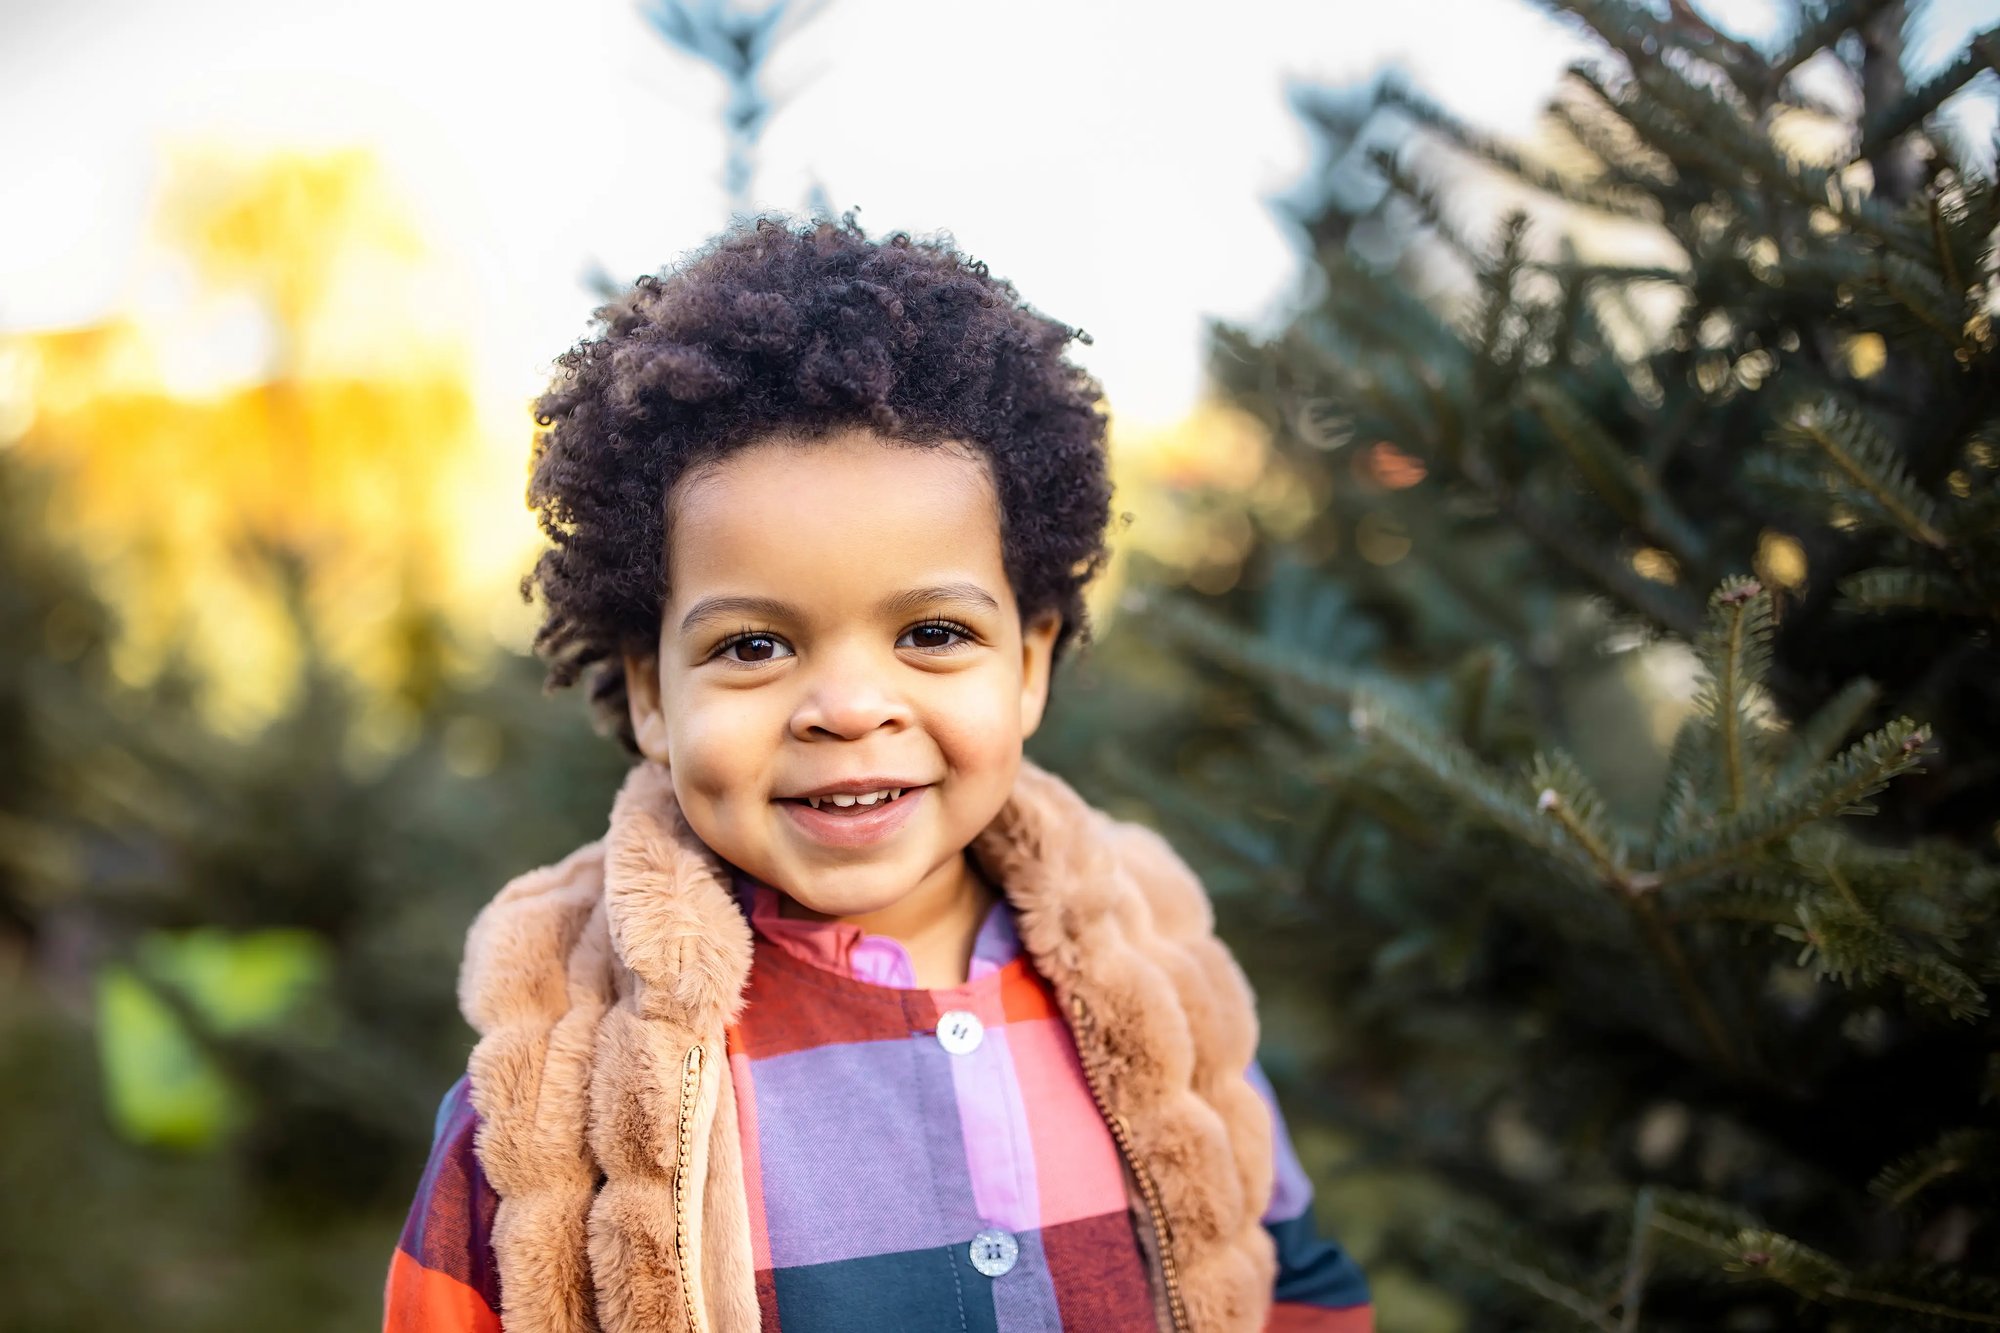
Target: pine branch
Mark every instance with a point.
(1836, 788)
(1497, 279)
(1693, 154)
(1621, 274)
(1981, 53)
(1741, 56)
(1571, 312)
(1816, 740)
(1464, 779)
(1625, 28)
(1565, 795)
(737, 44)
(1696, 1229)
(1937, 309)
(1697, 129)
(1251, 848)
(1608, 470)
(1658, 604)
(1911, 1290)
(1572, 830)
(1246, 653)
(1369, 410)
(1642, 39)
(1943, 223)
(1765, 900)
(1836, 22)
(1689, 768)
(1735, 653)
(1938, 891)
(1878, 590)
(1623, 482)
(1955, 1153)
(1864, 465)
(1661, 935)
(1625, 162)
(1944, 986)
(1420, 196)
(1508, 1254)
(1788, 1262)
(1612, 197)
(1709, 1227)
(1479, 684)
(1566, 821)
(1848, 943)
(1418, 828)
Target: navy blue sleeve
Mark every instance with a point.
(1320, 1288)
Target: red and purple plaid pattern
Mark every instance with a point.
(883, 1130)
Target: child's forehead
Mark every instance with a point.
(860, 470)
(840, 514)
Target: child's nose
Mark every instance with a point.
(849, 703)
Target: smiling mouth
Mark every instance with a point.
(853, 805)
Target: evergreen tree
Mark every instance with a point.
(1625, 1035)
(226, 1005)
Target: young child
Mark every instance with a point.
(854, 1019)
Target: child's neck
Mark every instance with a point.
(937, 923)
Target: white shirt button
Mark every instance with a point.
(994, 1252)
(960, 1031)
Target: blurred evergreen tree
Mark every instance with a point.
(228, 951)
(227, 965)
(228, 962)
(1606, 1031)
(737, 43)
(50, 677)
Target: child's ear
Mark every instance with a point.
(642, 701)
(1038, 641)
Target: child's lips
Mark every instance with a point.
(854, 825)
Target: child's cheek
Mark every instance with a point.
(979, 738)
(724, 756)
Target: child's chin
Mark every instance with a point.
(859, 896)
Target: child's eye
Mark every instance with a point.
(755, 648)
(936, 635)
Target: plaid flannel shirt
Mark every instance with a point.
(914, 1158)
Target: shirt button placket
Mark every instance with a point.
(993, 1251)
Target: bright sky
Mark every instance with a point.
(1114, 160)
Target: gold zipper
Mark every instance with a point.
(1147, 1189)
(683, 1142)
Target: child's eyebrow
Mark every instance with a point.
(770, 608)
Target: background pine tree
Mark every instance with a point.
(156, 877)
(1586, 1027)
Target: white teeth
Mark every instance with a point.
(866, 798)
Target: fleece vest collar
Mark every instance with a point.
(601, 988)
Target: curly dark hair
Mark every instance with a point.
(800, 330)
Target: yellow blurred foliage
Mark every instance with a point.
(1196, 490)
(283, 382)
(287, 385)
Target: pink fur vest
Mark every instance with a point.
(601, 987)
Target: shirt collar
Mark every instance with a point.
(879, 960)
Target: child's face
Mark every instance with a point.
(852, 548)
